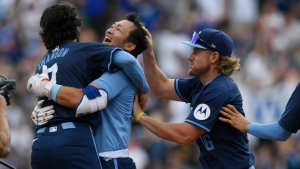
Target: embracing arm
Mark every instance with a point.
(87, 100)
(69, 96)
(132, 69)
(95, 96)
(180, 133)
(4, 130)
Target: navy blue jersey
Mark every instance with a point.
(77, 65)
(222, 146)
(291, 115)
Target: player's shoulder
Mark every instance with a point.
(97, 45)
(297, 87)
(92, 44)
(191, 83)
(222, 83)
(225, 80)
(80, 45)
(195, 80)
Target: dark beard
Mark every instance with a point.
(202, 70)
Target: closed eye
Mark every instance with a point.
(196, 52)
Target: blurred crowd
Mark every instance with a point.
(266, 34)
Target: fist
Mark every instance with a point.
(40, 84)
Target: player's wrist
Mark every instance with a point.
(54, 90)
(47, 86)
(138, 117)
(248, 128)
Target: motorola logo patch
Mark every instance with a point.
(202, 112)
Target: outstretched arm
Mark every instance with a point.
(4, 130)
(180, 133)
(272, 131)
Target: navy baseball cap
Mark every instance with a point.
(212, 39)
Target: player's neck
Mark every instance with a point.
(208, 76)
(74, 40)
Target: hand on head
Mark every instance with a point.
(149, 41)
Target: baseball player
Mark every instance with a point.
(67, 141)
(280, 130)
(113, 134)
(211, 62)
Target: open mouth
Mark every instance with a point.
(107, 39)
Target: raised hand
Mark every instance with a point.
(149, 40)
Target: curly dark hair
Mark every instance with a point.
(137, 36)
(59, 24)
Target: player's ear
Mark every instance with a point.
(129, 46)
(215, 57)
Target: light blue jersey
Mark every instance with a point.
(113, 134)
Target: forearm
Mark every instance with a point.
(166, 131)
(155, 77)
(271, 131)
(90, 99)
(69, 96)
(4, 135)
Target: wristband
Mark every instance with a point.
(137, 118)
(54, 91)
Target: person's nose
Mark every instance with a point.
(190, 57)
(109, 31)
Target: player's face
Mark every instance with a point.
(199, 62)
(118, 33)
